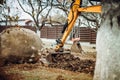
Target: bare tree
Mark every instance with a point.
(63, 5)
(2, 2)
(36, 8)
(108, 42)
(4, 11)
(92, 20)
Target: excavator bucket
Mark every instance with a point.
(76, 46)
(58, 52)
(54, 56)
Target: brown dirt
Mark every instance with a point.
(74, 66)
(38, 72)
(72, 63)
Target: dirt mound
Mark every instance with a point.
(11, 76)
(19, 45)
(72, 63)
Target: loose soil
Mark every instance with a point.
(74, 66)
(38, 72)
(72, 63)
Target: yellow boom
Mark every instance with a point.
(72, 16)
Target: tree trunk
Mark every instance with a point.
(38, 32)
(108, 42)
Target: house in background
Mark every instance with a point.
(29, 22)
(21, 22)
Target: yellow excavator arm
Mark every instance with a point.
(72, 16)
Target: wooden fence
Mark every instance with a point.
(51, 32)
(85, 34)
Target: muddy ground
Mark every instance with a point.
(74, 66)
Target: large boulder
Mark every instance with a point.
(18, 45)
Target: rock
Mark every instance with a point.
(18, 45)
